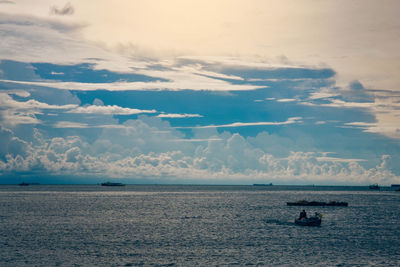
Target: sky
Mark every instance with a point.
(200, 92)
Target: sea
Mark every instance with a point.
(196, 225)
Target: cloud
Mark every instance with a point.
(114, 110)
(10, 144)
(291, 120)
(26, 38)
(197, 84)
(20, 93)
(14, 112)
(197, 140)
(13, 117)
(179, 116)
(68, 9)
(69, 124)
(388, 129)
(287, 100)
(142, 151)
(8, 102)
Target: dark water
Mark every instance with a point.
(195, 226)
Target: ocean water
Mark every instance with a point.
(156, 225)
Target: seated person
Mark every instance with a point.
(303, 214)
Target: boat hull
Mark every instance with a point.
(312, 221)
(317, 203)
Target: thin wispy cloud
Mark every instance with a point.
(178, 116)
(287, 100)
(8, 102)
(70, 124)
(194, 140)
(202, 84)
(291, 120)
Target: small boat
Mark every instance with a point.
(24, 184)
(374, 187)
(317, 203)
(396, 187)
(112, 184)
(311, 221)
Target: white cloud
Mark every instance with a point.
(12, 117)
(291, 120)
(183, 82)
(322, 95)
(111, 109)
(174, 115)
(57, 73)
(14, 112)
(142, 151)
(383, 105)
(388, 129)
(8, 102)
(70, 124)
(287, 100)
(20, 93)
(197, 140)
(332, 159)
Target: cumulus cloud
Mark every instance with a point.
(68, 9)
(11, 145)
(146, 150)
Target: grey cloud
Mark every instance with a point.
(6, 2)
(356, 92)
(8, 21)
(68, 9)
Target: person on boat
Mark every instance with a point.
(303, 214)
(318, 215)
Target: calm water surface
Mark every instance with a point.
(195, 226)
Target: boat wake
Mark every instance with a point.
(278, 222)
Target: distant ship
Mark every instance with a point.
(374, 186)
(396, 187)
(317, 203)
(112, 184)
(25, 184)
(270, 184)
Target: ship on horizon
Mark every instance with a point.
(112, 184)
